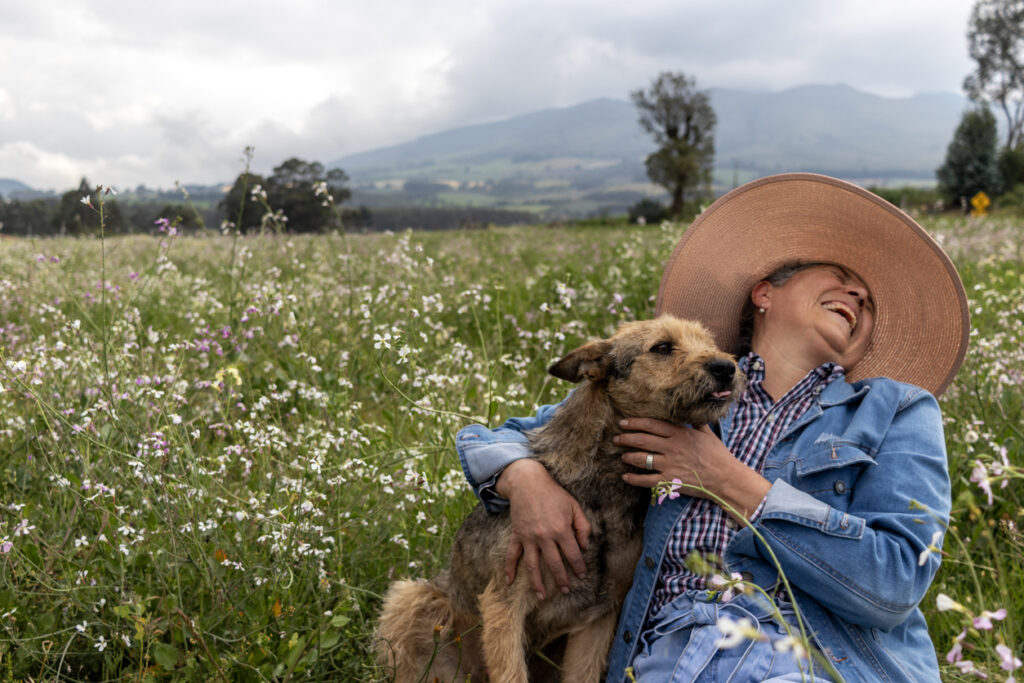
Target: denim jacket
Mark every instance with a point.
(838, 518)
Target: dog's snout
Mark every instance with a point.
(721, 369)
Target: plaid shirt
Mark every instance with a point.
(757, 424)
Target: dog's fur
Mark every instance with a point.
(665, 368)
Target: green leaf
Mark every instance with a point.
(165, 655)
(339, 620)
(295, 652)
(31, 552)
(329, 639)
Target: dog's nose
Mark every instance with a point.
(721, 369)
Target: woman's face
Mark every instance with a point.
(822, 313)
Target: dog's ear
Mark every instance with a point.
(590, 361)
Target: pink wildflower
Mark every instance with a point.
(984, 621)
(966, 666)
(1007, 661)
(670, 491)
(1001, 468)
(955, 653)
(731, 585)
(979, 475)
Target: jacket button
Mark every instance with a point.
(649, 562)
(840, 487)
(628, 637)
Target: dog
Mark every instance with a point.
(664, 368)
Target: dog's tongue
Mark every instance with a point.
(721, 394)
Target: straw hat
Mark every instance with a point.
(921, 321)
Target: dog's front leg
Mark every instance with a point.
(587, 649)
(503, 610)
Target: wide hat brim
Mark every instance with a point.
(922, 323)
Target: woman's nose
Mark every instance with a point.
(860, 294)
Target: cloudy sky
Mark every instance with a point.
(129, 92)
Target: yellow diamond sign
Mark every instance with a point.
(980, 203)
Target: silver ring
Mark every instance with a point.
(650, 461)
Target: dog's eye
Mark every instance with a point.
(662, 348)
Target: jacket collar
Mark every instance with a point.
(834, 394)
(842, 392)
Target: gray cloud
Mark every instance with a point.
(142, 93)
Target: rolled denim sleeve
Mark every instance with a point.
(485, 453)
(863, 562)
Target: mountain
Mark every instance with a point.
(833, 129)
(589, 159)
(603, 128)
(12, 188)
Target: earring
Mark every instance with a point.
(761, 310)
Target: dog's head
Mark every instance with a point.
(666, 368)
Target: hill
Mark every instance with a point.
(589, 158)
(835, 130)
(12, 188)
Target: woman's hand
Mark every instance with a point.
(696, 457)
(547, 524)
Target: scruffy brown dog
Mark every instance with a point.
(666, 368)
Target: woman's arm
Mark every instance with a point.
(547, 523)
(484, 453)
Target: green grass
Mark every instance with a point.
(224, 455)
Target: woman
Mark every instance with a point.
(848, 320)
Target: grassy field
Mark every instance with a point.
(217, 452)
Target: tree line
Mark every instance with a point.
(976, 161)
(298, 196)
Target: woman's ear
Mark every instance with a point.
(760, 295)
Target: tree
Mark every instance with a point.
(972, 158)
(648, 211)
(995, 38)
(682, 122)
(76, 217)
(292, 191)
(1011, 167)
(30, 217)
(240, 206)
